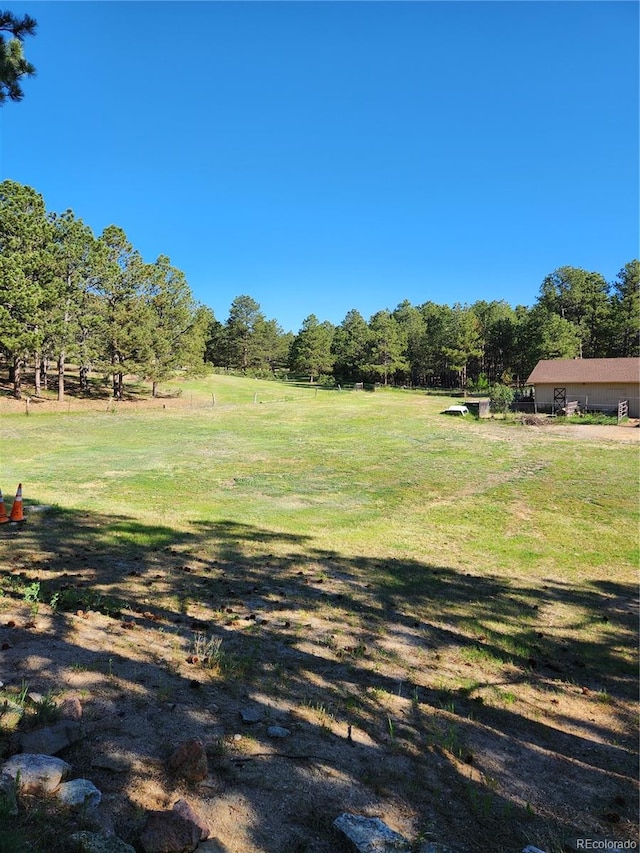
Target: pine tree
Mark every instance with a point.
(72, 320)
(123, 281)
(13, 65)
(350, 346)
(412, 325)
(626, 311)
(177, 336)
(25, 269)
(582, 298)
(387, 346)
(244, 316)
(311, 348)
(464, 341)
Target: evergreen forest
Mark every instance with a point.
(69, 297)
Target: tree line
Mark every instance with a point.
(67, 296)
(578, 314)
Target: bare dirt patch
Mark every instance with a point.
(628, 431)
(399, 703)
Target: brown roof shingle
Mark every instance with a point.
(596, 370)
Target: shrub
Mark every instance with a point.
(481, 385)
(501, 398)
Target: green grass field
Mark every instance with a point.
(509, 553)
(370, 474)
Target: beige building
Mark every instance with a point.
(597, 384)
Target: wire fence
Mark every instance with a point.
(33, 406)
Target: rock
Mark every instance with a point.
(370, 834)
(432, 847)
(71, 709)
(79, 793)
(36, 698)
(183, 808)
(92, 842)
(169, 832)
(190, 761)
(251, 715)
(278, 731)
(99, 819)
(53, 739)
(8, 794)
(211, 846)
(115, 762)
(531, 849)
(38, 774)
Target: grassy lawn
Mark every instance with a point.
(440, 584)
(369, 474)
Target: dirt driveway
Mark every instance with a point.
(628, 432)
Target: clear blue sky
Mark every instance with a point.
(323, 156)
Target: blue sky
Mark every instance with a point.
(323, 156)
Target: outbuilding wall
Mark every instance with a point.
(598, 397)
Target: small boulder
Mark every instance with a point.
(79, 793)
(190, 761)
(37, 774)
(183, 808)
(52, 739)
(99, 819)
(71, 709)
(251, 715)
(370, 834)
(114, 761)
(278, 731)
(169, 832)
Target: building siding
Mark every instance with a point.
(595, 397)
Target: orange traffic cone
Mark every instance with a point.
(3, 512)
(16, 509)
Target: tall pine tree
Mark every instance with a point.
(25, 269)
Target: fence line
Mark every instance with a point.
(35, 406)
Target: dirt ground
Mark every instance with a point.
(629, 431)
(538, 746)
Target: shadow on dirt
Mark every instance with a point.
(166, 634)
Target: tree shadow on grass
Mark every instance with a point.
(383, 670)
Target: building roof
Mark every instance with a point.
(593, 370)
